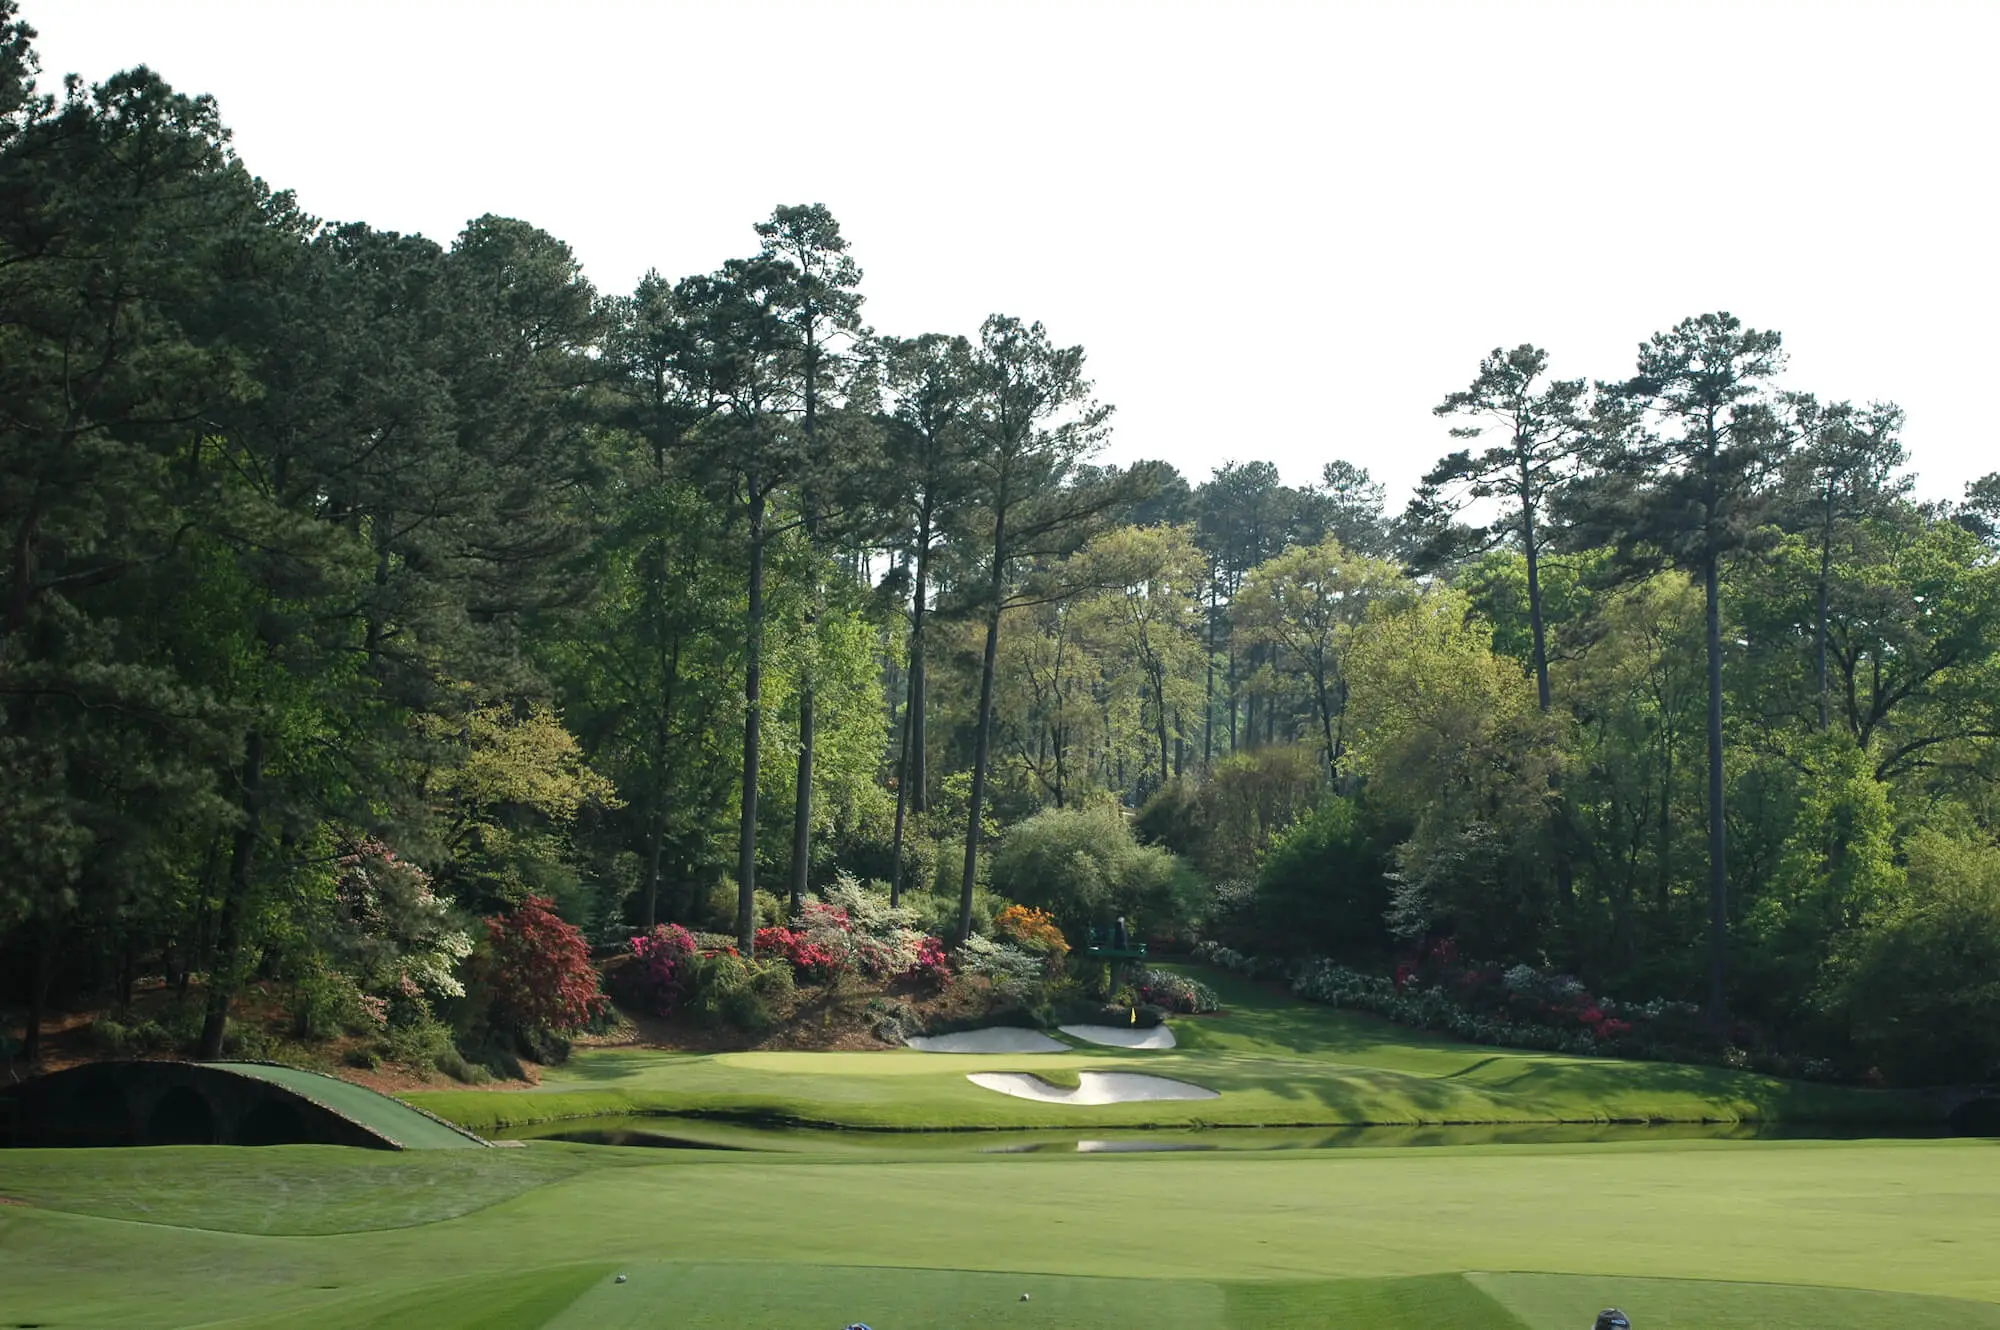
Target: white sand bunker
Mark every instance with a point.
(995, 1039)
(1094, 1087)
(1121, 1036)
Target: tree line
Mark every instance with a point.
(330, 548)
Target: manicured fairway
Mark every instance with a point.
(1275, 1061)
(1689, 1234)
(905, 1230)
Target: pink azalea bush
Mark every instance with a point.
(666, 966)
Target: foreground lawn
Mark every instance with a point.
(1276, 1062)
(1710, 1235)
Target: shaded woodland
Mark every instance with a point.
(356, 586)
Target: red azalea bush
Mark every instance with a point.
(854, 929)
(539, 969)
(666, 967)
(933, 964)
(812, 958)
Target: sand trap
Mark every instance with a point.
(1094, 1087)
(1121, 1036)
(994, 1039)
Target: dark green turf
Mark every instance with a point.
(1555, 1302)
(1691, 1233)
(779, 1296)
(299, 1189)
(1425, 1302)
(525, 1300)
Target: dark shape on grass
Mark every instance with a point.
(1977, 1117)
(192, 1103)
(181, 1117)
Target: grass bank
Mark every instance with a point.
(1276, 1061)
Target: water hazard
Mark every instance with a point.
(686, 1133)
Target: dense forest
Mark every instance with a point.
(357, 587)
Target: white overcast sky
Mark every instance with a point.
(1281, 231)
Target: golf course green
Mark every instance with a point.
(901, 1230)
(1276, 1061)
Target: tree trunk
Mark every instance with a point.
(1060, 739)
(1565, 878)
(803, 806)
(656, 835)
(803, 799)
(656, 832)
(1718, 883)
(753, 713)
(1825, 576)
(22, 593)
(920, 689)
(225, 968)
(902, 806)
(982, 745)
(1663, 886)
(910, 771)
(980, 752)
(372, 636)
(1326, 724)
(1232, 694)
(1535, 613)
(38, 995)
(1208, 696)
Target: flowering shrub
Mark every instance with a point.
(324, 1002)
(1035, 930)
(827, 947)
(810, 959)
(1175, 992)
(933, 962)
(1011, 969)
(393, 933)
(867, 908)
(539, 969)
(1521, 1007)
(666, 959)
(854, 928)
(890, 955)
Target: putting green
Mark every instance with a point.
(1689, 1234)
(1275, 1062)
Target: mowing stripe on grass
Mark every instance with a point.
(523, 1300)
(822, 1297)
(1426, 1302)
(1566, 1302)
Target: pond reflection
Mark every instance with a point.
(689, 1133)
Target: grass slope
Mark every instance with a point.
(1277, 1062)
(1716, 1235)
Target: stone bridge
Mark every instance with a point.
(212, 1103)
(1972, 1110)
